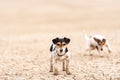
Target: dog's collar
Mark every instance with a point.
(60, 55)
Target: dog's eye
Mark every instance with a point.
(58, 44)
(64, 44)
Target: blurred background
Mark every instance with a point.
(27, 28)
(57, 16)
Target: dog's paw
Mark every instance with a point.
(64, 69)
(51, 71)
(109, 51)
(91, 54)
(68, 73)
(56, 74)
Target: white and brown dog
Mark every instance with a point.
(59, 52)
(97, 42)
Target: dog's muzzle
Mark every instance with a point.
(61, 53)
(61, 50)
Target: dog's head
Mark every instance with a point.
(61, 44)
(100, 42)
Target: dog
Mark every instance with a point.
(59, 52)
(97, 42)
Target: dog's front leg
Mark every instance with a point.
(99, 51)
(67, 67)
(51, 64)
(108, 47)
(55, 68)
(64, 65)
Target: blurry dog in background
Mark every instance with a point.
(97, 42)
(59, 52)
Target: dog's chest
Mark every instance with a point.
(61, 58)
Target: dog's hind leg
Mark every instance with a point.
(87, 51)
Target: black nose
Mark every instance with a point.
(101, 49)
(61, 50)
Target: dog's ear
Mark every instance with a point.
(66, 50)
(104, 40)
(55, 40)
(96, 40)
(67, 40)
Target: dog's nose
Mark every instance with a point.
(61, 50)
(101, 49)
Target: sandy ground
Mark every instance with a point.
(28, 26)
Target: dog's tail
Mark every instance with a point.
(86, 37)
(87, 40)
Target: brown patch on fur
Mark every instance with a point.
(103, 41)
(99, 42)
(60, 44)
(93, 47)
